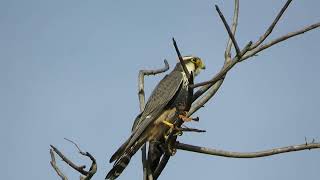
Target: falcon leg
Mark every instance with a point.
(168, 124)
(183, 117)
(171, 126)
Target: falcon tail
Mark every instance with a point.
(119, 152)
(118, 167)
(122, 157)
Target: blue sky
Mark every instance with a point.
(69, 69)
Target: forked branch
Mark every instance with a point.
(230, 33)
(81, 169)
(271, 27)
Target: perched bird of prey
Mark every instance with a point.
(171, 97)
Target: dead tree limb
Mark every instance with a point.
(230, 33)
(208, 91)
(205, 93)
(55, 166)
(271, 27)
(143, 73)
(141, 93)
(162, 164)
(230, 154)
(87, 175)
(184, 67)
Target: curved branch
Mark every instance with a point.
(143, 73)
(223, 153)
(146, 170)
(88, 174)
(55, 167)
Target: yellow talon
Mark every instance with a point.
(168, 124)
(166, 135)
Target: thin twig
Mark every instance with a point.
(55, 167)
(223, 153)
(280, 39)
(74, 144)
(227, 53)
(88, 174)
(271, 27)
(80, 169)
(180, 58)
(190, 130)
(93, 168)
(218, 76)
(208, 91)
(231, 35)
(225, 68)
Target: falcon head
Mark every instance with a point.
(194, 64)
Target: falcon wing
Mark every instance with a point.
(159, 99)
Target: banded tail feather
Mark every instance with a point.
(118, 167)
(122, 157)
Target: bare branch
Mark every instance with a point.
(218, 76)
(161, 166)
(143, 73)
(223, 153)
(271, 27)
(144, 161)
(209, 90)
(280, 39)
(231, 35)
(227, 54)
(146, 170)
(88, 174)
(190, 130)
(180, 59)
(69, 162)
(55, 167)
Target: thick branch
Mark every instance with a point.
(223, 153)
(271, 27)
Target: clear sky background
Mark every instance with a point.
(69, 69)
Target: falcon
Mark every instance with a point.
(171, 98)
